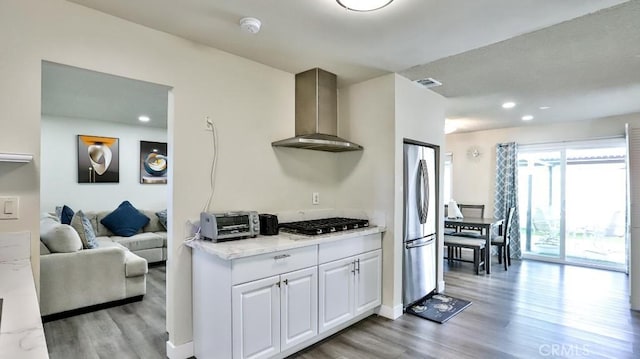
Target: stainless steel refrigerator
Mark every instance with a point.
(420, 220)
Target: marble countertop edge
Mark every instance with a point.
(268, 244)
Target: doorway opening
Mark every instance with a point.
(104, 141)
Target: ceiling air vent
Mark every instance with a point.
(428, 82)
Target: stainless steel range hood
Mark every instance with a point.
(317, 114)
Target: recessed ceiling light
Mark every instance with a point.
(363, 5)
(144, 119)
(544, 107)
(527, 118)
(509, 105)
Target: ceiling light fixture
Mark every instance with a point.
(544, 107)
(527, 118)
(509, 105)
(144, 119)
(363, 5)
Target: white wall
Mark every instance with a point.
(379, 114)
(474, 180)
(420, 117)
(367, 116)
(59, 175)
(249, 114)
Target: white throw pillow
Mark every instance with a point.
(59, 238)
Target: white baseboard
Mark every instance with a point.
(182, 351)
(440, 288)
(392, 313)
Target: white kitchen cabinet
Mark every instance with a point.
(349, 287)
(273, 304)
(256, 318)
(368, 281)
(275, 313)
(298, 306)
(336, 293)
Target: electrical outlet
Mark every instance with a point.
(315, 198)
(208, 123)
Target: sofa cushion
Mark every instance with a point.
(83, 226)
(155, 224)
(140, 241)
(134, 265)
(59, 238)
(125, 220)
(66, 215)
(106, 242)
(96, 217)
(164, 237)
(44, 250)
(162, 216)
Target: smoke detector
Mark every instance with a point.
(429, 82)
(250, 24)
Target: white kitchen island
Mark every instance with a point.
(271, 296)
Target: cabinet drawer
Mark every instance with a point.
(331, 251)
(268, 264)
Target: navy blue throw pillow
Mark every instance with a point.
(66, 215)
(125, 220)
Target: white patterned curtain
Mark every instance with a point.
(506, 195)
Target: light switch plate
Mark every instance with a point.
(9, 207)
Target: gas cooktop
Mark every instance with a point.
(324, 225)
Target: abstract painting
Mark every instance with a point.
(98, 160)
(153, 162)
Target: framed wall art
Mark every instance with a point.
(153, 162)
(98, 159)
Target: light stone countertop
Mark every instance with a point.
(21, 332)
(267, 244)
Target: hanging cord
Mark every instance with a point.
(212, 180)
(214, 162)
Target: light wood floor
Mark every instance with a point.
(535, 310)
(134, 330)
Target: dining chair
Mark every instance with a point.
(472, 210)
(469, 210)
(502, 240)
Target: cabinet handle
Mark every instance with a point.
(278, 284)
(354, 268)
(286, 282)
(281, 256)
(358, 268)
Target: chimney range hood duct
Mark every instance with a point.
(317, 114)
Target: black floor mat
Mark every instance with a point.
(439, 308)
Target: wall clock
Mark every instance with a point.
(474, 153)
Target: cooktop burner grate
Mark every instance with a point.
(324, 225)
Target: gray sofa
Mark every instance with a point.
(73, 278)
(150, 243)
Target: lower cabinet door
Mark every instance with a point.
(368, 287)
(298, 306)
(336, 293)
(256, 318)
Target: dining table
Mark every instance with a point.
(483, 225)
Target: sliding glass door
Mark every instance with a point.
(572, 202)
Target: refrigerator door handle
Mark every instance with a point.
(422, 191)
(412, 244)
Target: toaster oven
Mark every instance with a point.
(225, 226)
